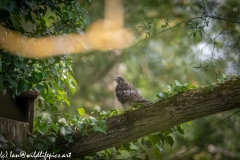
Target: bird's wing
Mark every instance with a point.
(127, 93)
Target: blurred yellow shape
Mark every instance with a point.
(103, 35)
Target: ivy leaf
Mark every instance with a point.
(169, 140)
(68, 137)
(157, 153)
(66, 116)
(44, 128)
(81, 111)
(100, 126)
(62, 121)
(46, 74)
(146, 143)
(52, 139)
(39, 76)
(177, 83)
(72, 88)
(67, 101)
(134, 147)
(79, 126)
(153, 139)
(51, 17)
(126, 146)
(180, 130)
(63, 131)
(69, 129)
(167, 132)
(54, 127)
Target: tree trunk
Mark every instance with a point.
(159, 117)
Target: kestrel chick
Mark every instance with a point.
(128, 95)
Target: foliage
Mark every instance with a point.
(41, 18)
(46, 132)
(174, 89)
(107, 114)
(25, 74)
(146, 26)
(46, 17)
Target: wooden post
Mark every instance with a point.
(16, 115)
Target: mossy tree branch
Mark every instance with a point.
(161, 116)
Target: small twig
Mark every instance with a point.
(161, 32)
(223, 19)
(210, 42)
(204, 7)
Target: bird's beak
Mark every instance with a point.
(115, 78)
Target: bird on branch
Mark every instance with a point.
(129, 96)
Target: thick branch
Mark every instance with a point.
(159, 117)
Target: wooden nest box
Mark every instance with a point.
(16, 115)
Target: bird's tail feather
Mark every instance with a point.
(146, 103)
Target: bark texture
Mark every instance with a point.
(159, 117)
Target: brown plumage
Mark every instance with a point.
(128, 95)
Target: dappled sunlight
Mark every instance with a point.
(103, 35)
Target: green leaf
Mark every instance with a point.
(180, 130)
(72, 88)
(66, 116)
(51, 17)
(126, 146)
(63, 131)
(100, 126)
(177, 83)
(67, 101)
(39, 76)
(44, 128)
(40, 87)
(167, 132)
(189, 123)
(52, 139)
(55, 108)
(157, 153)
(68, 137)
(81, 111)
(69, 129)
(46, 74)
(148, 144)
(153, 139)
(134, 147)
(54, 127)
(62, 121)
(169, 140)
(79, 126)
